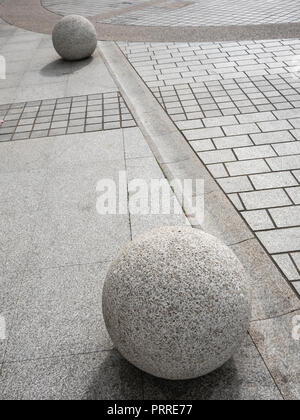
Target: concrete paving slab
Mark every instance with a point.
(278, 342)
(75, 187)
(135, 144)
(22, 191)
(60, 309)
(96, 376)
(244, 377)
(42, 75)
(16, 229)
(10, 282)
(147, 169)
(25, 156)
(77, 236)
(7, 317)
(87, 148)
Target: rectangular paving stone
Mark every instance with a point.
(286, 216)
(37, 134)
(232, 141)
(247, 167)
(273, 180)
(5, 137)
(258, 220)
(57, 131)
(296, 258)
(275, 126)
(190, 124)
(281, 240)
(21, 136)
(287, 114)
(284, 163)
(235, 184)
(295, 122)
(219, 121)
(296, 133)
(24, 128)
(294, 194)
(288, 149)
(59, 124)
(276, 137)
(218, 170)
(265, 199)
(254, 152)
(241, 129)
(297, 175)
(75, 129)
(217, 156)
(255, 117)
(203, 133)
(236, 201)
(202, 145)
(287, 266)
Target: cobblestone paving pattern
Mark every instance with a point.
(55, 117)
(238, 105)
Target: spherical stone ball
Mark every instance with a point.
(74, 38)
(176, 303)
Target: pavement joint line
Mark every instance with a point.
(277, 316)
(266, 365)
(58, 356)
(167, 149)
(241, 242)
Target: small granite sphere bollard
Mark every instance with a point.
(74, 38)
(176, 303)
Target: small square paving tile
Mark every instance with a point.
(40, 118)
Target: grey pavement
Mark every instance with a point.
(164, 20)
(67, 126)
(181, 13)
(55, 247)
(237, 105)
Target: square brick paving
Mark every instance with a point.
(212, 13)
(238, 105)
(54, 117)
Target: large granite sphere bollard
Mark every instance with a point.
(74, 38)
(176, 303)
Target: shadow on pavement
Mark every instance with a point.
(61, 67)
(118, 379)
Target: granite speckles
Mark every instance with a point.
(176, 303)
